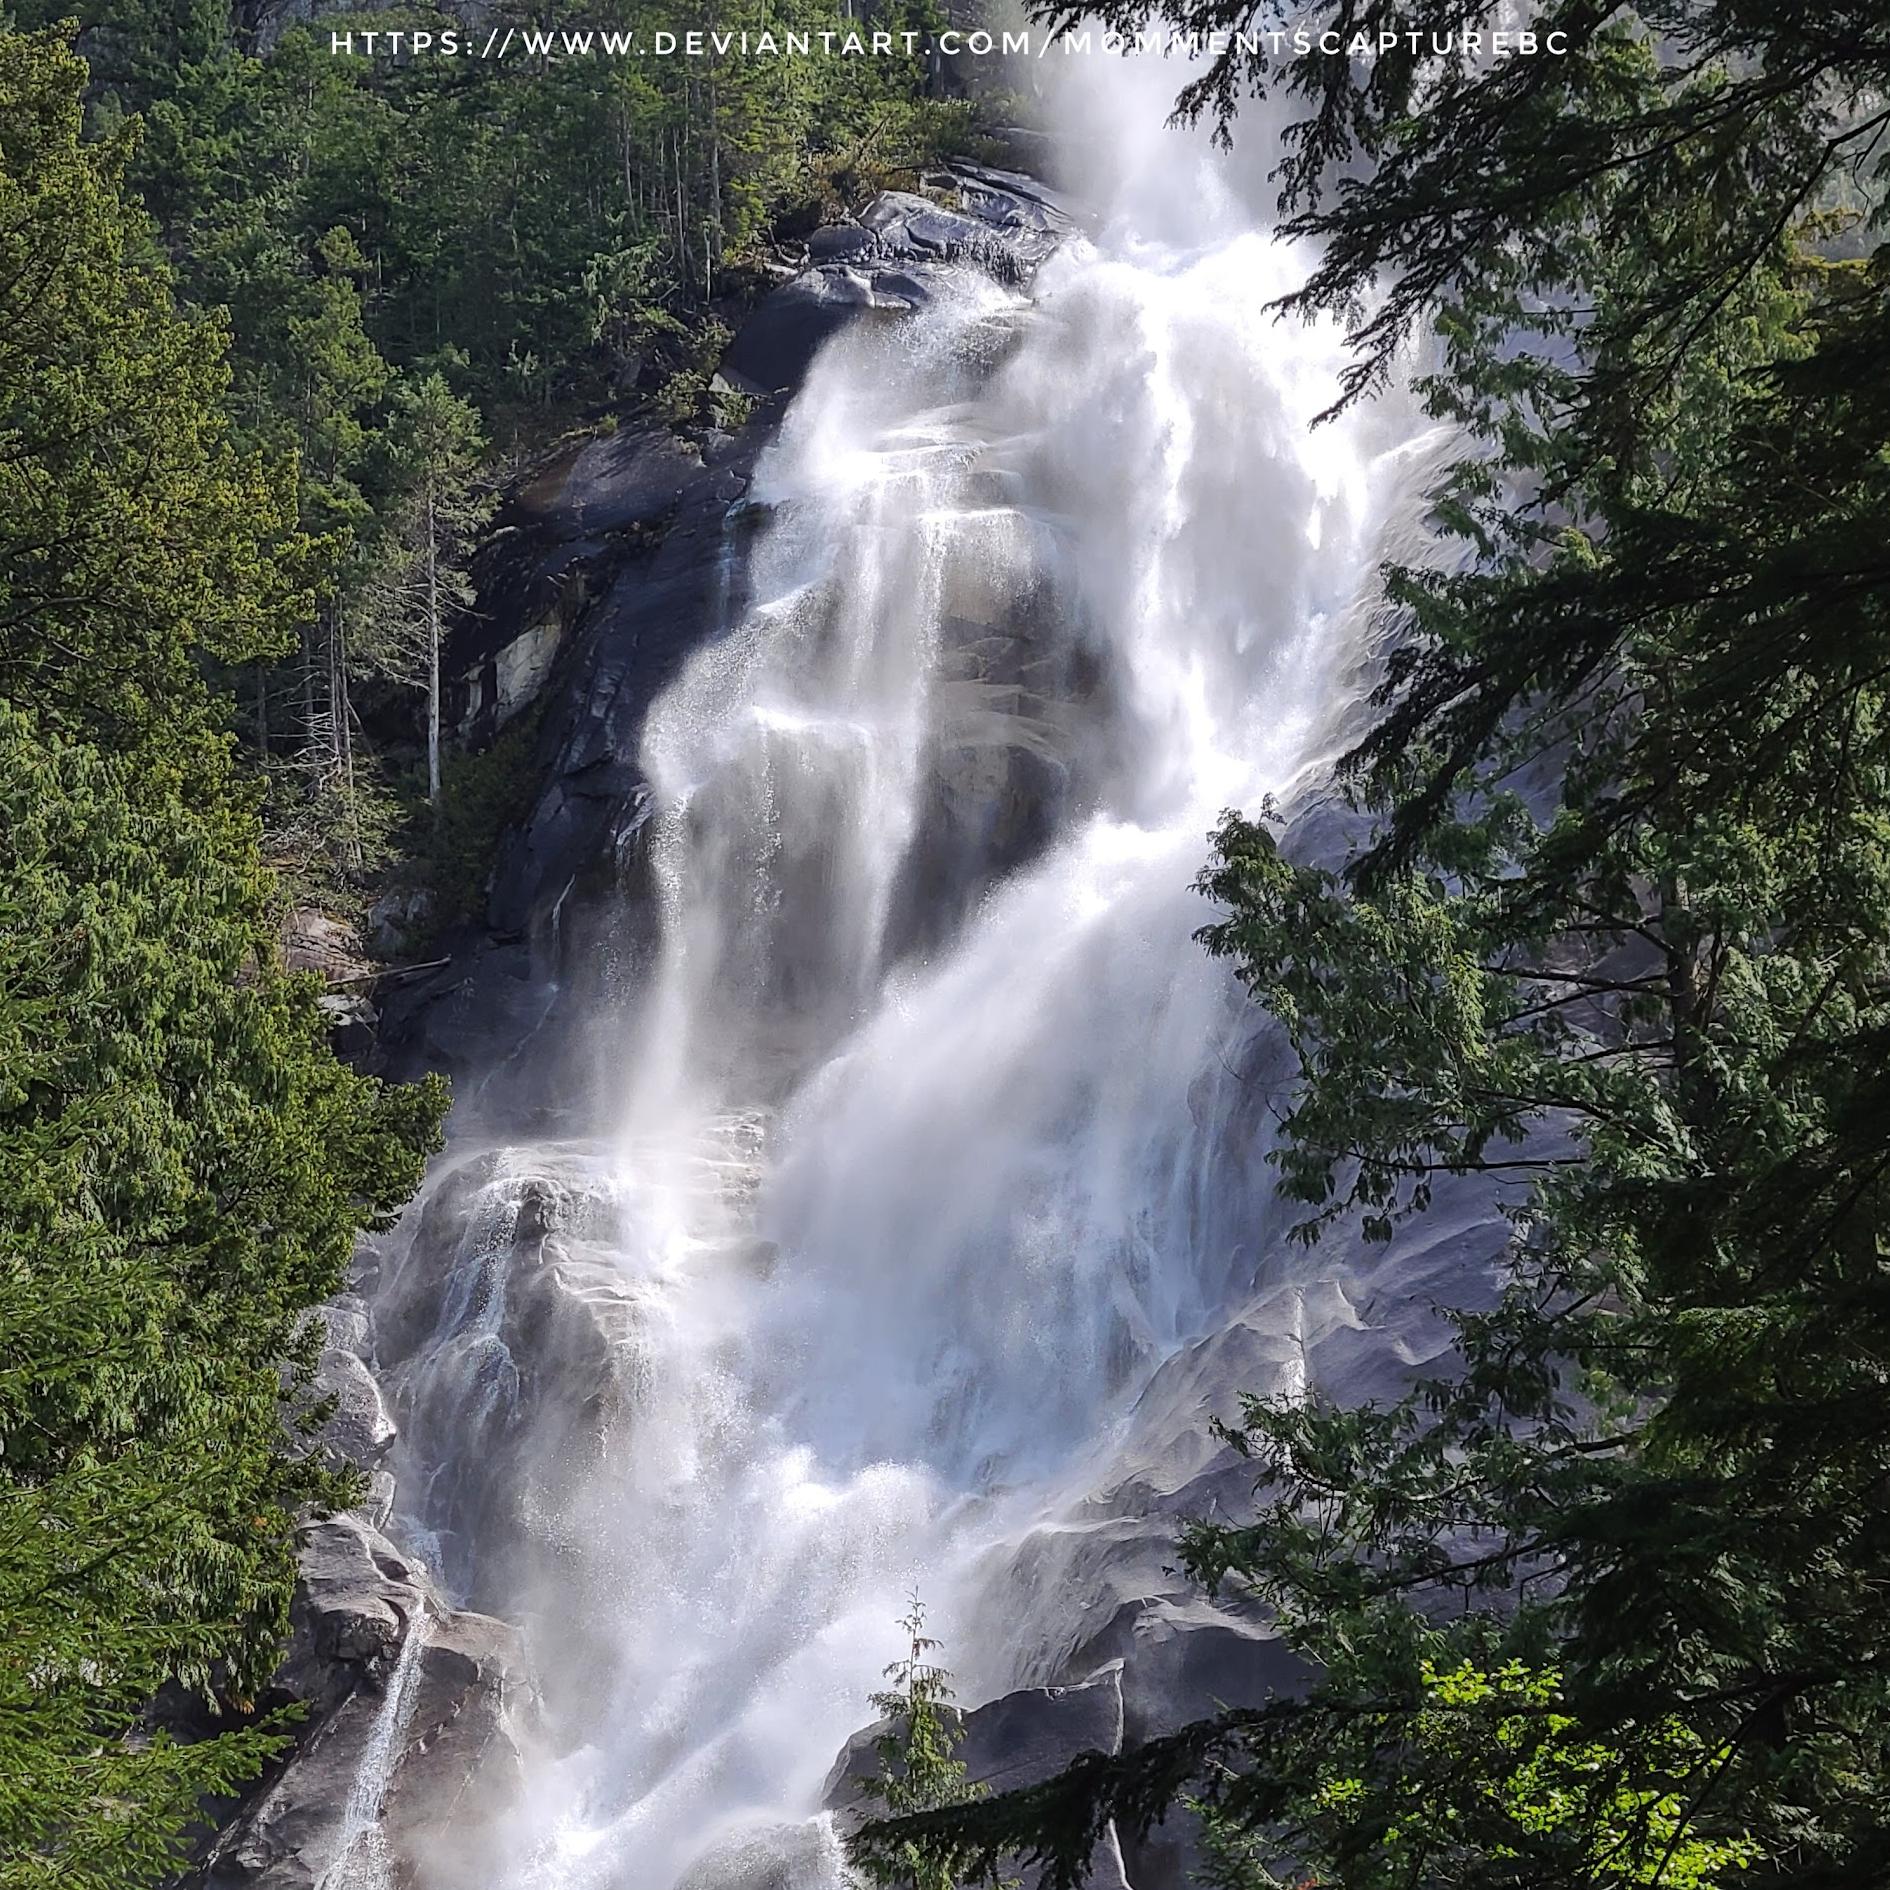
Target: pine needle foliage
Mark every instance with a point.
(919, 1770)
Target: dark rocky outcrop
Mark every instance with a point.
(890, 261)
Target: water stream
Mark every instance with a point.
(931, 1144)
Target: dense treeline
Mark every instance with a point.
(270, 326)
(430, 266)
(1608, 1606)
(184, 1166)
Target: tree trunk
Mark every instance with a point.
(433, 652)
(343, 712)
(308, 685)
(331, 614)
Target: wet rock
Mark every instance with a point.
(911, 229)
(360, 1431)
(772, 1857)
(513, 1341)
(1005, 765)
(377, 1507)
(460, 1767)
(420, 1707)
(626, 481)
(633, 546)
(1034, 219)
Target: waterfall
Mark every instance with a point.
(932, 1142)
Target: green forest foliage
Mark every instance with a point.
(1620, 944)
(184, 1166)
(531, 237)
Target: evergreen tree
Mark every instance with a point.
(918, 1767)
(184, 1166)
(437, 449)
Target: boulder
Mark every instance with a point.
(397, 919)
(355, 1596)
(776, 345)
(360, 1431)
(317, 941)
(841, 242)
(913, 229)
(348, 1325)
(889, 263)
(769, 1857)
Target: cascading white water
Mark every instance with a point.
(924, 1160)
(363, 1860)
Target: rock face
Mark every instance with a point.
(415, 1717)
